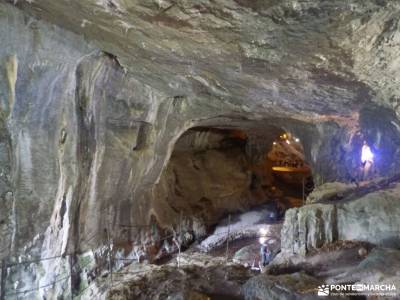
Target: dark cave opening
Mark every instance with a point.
(215, 171)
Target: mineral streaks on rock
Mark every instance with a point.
(11, 67)
(36, 92)
(321, 53)
(307, 229)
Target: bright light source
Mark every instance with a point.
(288, 142)
(297, 140)
(263, 231)
(366, 154)
(274, 143)
(262, 240)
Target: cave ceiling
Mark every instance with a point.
(309, 59)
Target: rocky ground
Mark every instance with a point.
(201, 276)
(289, 276)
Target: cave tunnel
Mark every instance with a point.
(215, 171)
(157, 149)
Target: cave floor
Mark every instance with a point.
(211, 275)
(234, 246)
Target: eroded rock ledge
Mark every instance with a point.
(89, 120)
(371, 217)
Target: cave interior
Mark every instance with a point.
(235, 149)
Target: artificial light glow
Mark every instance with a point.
(262, 240)
(297, 140)
(366, 154)
(263, 231)
(274, 143)
(288, 142)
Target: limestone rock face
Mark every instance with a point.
(324, 70)
(95, 94)
(328, 50)
(370, 218)
(87, 135)
(204, 179)
(305, 229)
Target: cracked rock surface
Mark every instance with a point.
(95, 94)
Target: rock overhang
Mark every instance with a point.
(298, 57)
(134, 108)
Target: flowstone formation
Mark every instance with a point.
(97, 98)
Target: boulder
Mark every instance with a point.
(245, 225)
(373, 218)
(247, 255)
(381, 266)
(370, 218)
(282, 287)
(308, 227)
(328, 190)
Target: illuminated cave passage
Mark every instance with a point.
(291, 173)
(215, 171)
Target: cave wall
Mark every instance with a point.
(205, 181)
(210, 174)
(37, 91)
(83, 143)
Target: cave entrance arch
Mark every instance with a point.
(214, 171)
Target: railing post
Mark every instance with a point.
(180, 238)
(71, 275)
(109, 255)
(3, 280)
(227, 238)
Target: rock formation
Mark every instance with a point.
(370, 218)
(97, 98)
